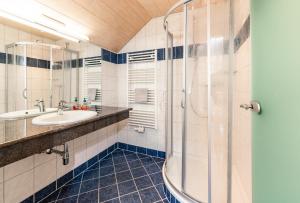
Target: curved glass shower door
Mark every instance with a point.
(198, 105)
(195, 136)
(174, 110)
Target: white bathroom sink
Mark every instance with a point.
(14, 115)
(67, 117)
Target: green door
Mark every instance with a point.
(275, 31)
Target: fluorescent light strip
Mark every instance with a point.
(36, 26)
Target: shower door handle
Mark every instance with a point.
(254, 106)
(182, 104)
(24, 93)
(183, 99)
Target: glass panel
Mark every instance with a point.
(75, 76)
(241, 179)
(195, 154)
(218, 114)
(67, 76)
(175, 112)
(16, 68)
(38, 75)
(57, 90)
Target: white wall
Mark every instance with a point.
(151, 36)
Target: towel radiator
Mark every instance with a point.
(141, 73)
(92, 78)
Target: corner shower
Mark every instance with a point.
(198, 151)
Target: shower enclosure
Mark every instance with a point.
(198, 118)
(38, 71)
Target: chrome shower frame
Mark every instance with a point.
(169, 103)
(169, 123)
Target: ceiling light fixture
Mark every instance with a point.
(40, 17)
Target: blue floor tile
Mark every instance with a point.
(123, 176)
(108, 193)
(69, 190)
(118, 153)
(51, 198)
(92, 174)
(160, 164)
(116, 200)
(77, 179)
(126, 187)
(160, 189)
(107, 180)
(147, 161)
(119, 159)
(142, 156)
(131, 157)
(157, 178)
(135, 164)
(121, 167)
(152, 168)
(131, 198)
(89, 185)
(89, 197)
(68, 200)
(156, 159)
(149, 195)
(106, 162)
(93, 167)
(143, 182)
(122, 173)
(106, 170)
(128, 152)
(138, 172)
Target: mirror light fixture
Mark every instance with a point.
(41, 17)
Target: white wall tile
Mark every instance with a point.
(92, 144)
(1, 193)
(79, 155)
(43, 158)
(1, 175)
(18, 167)
(18, 188)
(44, 174)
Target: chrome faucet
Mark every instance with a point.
(41, 105)
(61, 106)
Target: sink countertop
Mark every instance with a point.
(23, 136)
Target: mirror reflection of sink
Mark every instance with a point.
(68, 117)
(14, 115)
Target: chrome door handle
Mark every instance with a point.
(24, 93)
(254, 106)
(183, 99)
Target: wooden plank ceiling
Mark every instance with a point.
(111, 23)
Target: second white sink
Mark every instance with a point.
(68, 117)
(14, 115)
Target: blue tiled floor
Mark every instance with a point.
(122, 177)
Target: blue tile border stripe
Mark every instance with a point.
(142, 150)
(242, 35)
(60, 182)
(38, 63)
(121, 58)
